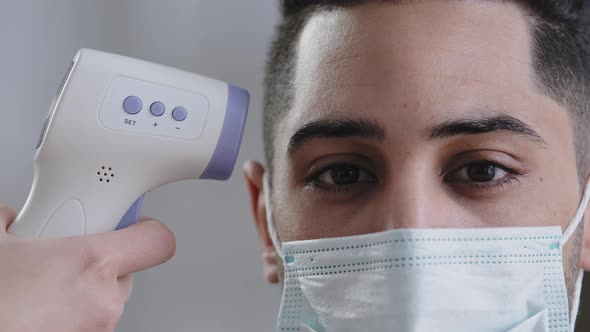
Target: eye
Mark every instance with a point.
(482, 172)
(341, 176)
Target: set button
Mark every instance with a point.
(133, 105)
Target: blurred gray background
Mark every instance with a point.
(215, 281)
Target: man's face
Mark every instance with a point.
(421, 116)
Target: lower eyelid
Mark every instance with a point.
(494, 186)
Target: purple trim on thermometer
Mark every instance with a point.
(224, 157)
(132, 215)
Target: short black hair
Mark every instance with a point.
(561, 60)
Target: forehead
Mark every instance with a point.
(448, 54)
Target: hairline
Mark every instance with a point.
(542, 82)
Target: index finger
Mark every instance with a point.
(7, 216)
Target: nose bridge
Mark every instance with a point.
(414, 198)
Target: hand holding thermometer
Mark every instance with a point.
(120, 127)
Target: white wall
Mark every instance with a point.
(215, 282)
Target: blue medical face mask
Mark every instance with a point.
(472, 279)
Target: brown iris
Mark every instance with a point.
(481, 172)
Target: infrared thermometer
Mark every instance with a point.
(118, 128)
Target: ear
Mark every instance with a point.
(253, 172)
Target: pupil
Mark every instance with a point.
(481, 172)
(344, 175)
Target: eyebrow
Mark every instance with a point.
(470, 126)
(340, 128)
(364, 128)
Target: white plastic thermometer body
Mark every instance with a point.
(120, 127)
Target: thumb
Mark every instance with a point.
(137, 247)
(7, 216)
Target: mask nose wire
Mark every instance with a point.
(272, 230)
(573, 224)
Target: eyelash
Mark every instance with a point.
(508, 180)
(313, 181)
(498, 185)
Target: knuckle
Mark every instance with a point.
(7, 212)
(99, 264)
(107, 314)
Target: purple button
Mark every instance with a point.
(157, 108)
(179, 113)
(132, 104)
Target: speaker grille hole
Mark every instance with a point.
(104, 175)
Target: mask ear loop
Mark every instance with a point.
(571, 228)
(276, 242)
(575, 221)
(576, 300)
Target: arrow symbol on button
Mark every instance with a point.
(155, 124)
(177, 127)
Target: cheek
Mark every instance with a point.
(557, 190)
(300, 216)
(557, 198)
(550, 196)
(549, 202)
(300, 219)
